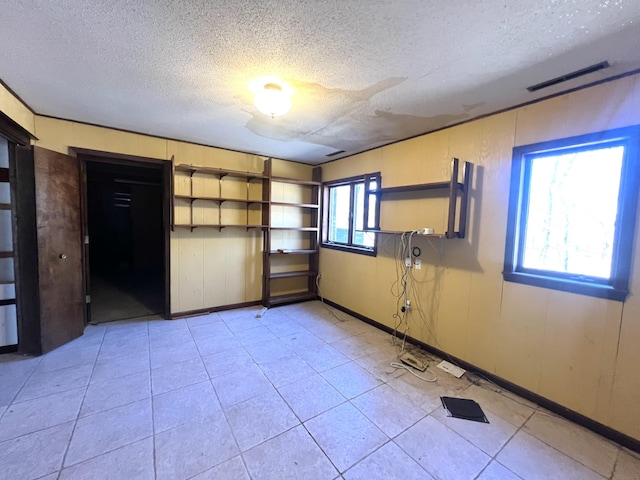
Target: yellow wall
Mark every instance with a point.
(209, 268)
(578, 351)
(16, 111)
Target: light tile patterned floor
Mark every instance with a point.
(297, 394)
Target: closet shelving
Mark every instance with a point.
(220, 174)
(309, 210)
(455, 188)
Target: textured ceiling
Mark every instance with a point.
(365, 73)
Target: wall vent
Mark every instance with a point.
(569, 76)
(333, 154)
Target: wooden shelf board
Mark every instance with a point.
(301, 205)
(219, 199)
(291, 298)
(300, 229)
(295, 181)
(400, 232)
(4, 174)
(7, 282)
(299, 251)
(6, 254)
(416, 188)
(5, 206)
(209, 225)
(218, 171)
(303, 273)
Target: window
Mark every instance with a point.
(344, 212)
(572, 212)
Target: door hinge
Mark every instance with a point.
(86, 239)
(87, 299)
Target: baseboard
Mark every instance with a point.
(9, 349)
(204, 311)
(603, 430)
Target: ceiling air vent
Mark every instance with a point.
(569, 76)
(333, 154)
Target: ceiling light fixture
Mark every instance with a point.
(272, 100)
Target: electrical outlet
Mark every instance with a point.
(407, 262)
(417, 263)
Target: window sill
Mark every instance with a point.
(371, 252)
(573, 286)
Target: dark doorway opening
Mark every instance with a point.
(126, 240)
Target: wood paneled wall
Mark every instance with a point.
(578, 351)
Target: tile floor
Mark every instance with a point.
(296, 394)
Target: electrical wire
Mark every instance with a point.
(410, 370)
(326, 307)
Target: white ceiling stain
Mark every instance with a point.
(365, 73)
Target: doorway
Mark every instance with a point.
(125, 218)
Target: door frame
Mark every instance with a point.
(86, 155)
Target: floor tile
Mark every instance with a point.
(126, 328)
(386, 463)
(184, 405)
(163, 356)
(159, 340)
(292, 455)
(323, 357)
(10, 388)
(109, 430)
(237, 387)
(352, 347)
(421, 393)
(41, 384)
(13, 365)
(192, 448)
(115, 393)
(531, 459)
(380, 366)
(264, 352)
(627, 467)
(345, 435)
(497, 471)
(260, 419)
(203, 320)
(36, 454)
(133, 462)
(68, 357)
(216, 344)
(442, 452)
(285, 328)
(488, 437)
(233, 469)
(578, 443)
(117, 347)
(302, 341)
(225, 363)
(121, 366)
(254, 335)
(388, 410)
(501, 405)
(286, 370)
(240, 322)
(32, 415)
(208, 330)
(178, 375)
(311, 396)
(351, 379)
(328, 332)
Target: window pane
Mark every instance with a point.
(373, 199)
(573, 205)
(364, 239)
(339, 199)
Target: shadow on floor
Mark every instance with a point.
(122, 295)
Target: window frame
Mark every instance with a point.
(345, 247)
(617, 286)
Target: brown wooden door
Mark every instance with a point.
(59, 240)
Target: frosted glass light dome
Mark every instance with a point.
(272, 100)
